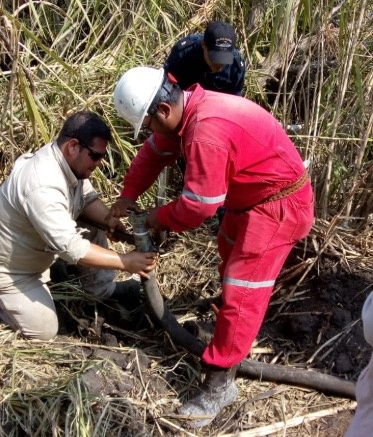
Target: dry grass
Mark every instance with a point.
(58, 57)
(141, 380)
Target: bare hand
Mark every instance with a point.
(122, 207)
(140, 263)
(152, 220)
(113, 224)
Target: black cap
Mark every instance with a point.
(220, 40)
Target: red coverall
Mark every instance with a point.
(237, 155)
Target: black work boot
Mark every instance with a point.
(217, 391)
(61, 271)
(128, 293)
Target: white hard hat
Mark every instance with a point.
(135, 92)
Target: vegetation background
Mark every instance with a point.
(309, 62)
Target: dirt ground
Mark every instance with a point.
(324, 327)
(311, 323)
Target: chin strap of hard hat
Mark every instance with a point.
(168, 82)
(165, 90)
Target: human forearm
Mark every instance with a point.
(133, 262)
(98, 214)
(101, 258)
(156, 153)
(141, 175)
(96, 211)
(182, 214)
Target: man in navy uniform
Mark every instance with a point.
(210, 59)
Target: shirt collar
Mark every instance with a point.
(191, 96)
(71, 178)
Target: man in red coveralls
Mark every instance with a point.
(237, 155)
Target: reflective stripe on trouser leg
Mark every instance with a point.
(263, 238)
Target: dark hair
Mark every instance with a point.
(84, 125)
(168, 93)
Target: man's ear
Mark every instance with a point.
(70, 147)
(203, 44)
(164, 109)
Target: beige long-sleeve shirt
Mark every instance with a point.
(39, 204)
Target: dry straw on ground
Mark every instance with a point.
(58, 57)
(81, 384)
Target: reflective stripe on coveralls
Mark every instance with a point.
(155, 148)
(203, 199)
(262, 239)
(248, 284)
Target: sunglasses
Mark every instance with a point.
(95, 156)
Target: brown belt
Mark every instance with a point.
(289, 190)
(301, 182)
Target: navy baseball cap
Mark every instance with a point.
(220, 40)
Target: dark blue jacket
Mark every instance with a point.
(186, 63)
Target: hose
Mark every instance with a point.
(328, 384)
(154, 298)
(248, 368)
